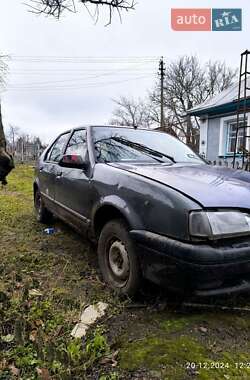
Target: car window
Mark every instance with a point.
(58, 148)
(78, 143)
(129, 145)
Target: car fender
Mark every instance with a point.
(122, 207)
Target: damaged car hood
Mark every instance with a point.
(210, 186)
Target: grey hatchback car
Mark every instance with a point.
(154, 207)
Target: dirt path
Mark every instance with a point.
(45, 282)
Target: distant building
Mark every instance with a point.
(218, 121)
(28, 150)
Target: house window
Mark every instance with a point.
(231, 136)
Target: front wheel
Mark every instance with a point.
(118, 259)
(42, 214)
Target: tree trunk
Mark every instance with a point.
(6, 160)
(2, 136)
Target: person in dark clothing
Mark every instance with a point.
(6, 159)
(6, 165)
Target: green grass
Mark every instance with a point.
(174, 357)
(46, 280)
(35, 327)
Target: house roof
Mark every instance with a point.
(224, 102)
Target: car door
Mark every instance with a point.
(73, 186)
(48, 168)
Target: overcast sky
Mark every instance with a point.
(66, 73)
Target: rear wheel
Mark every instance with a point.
(118, 259)
(43, 215)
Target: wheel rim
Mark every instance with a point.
(119, 261)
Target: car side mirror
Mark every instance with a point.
(73, 161)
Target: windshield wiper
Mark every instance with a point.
(144, 148)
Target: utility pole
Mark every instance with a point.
(162, 75)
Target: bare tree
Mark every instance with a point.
(6, 160)
(55, 8)
(131, 112)
(187, 84)
(13, 133)
(219, 77)
(155, 118)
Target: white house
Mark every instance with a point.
(218, 121)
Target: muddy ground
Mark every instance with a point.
(46, 281)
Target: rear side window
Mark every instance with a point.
(78, 143)
(57, 150)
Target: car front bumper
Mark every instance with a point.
(194, 268)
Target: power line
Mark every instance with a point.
(75, 60)
(69, 76)
(66, 80)
(77, 79)
(56, 69)
(51, 57)
(74, 87)
(80, 70)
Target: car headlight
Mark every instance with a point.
(218, 224)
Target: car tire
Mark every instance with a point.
(43, 215)
(118, 260)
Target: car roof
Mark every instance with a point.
(101, 126)
(109, 126)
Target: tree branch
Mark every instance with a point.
(55, 8)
